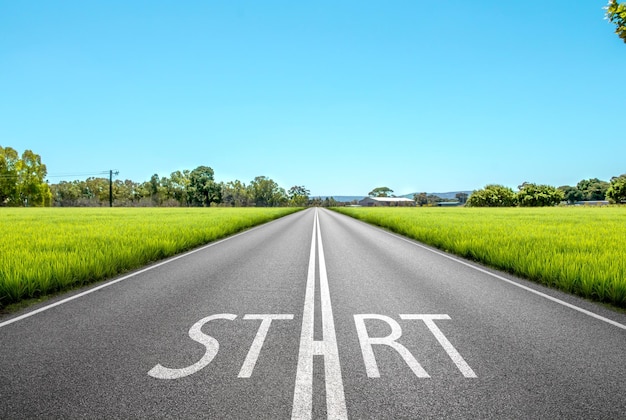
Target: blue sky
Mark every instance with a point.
(338, 96)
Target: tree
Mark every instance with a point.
(22, 179)
(154, 188)
(533, 195)
(96, 190)
(33, 188)
(9, 159)
(298, 196)
(315, 201)
(266, 193)
(617, 190)
(179, 184)
(202, 187)
(67, 194)
(330, 202)
(593, 189)
(462, 197)
(236, 194)
(433, 199)
(571, 194)
(125, 192)
(421, 199)
(616, 13)
(380, 192)
(492, 195)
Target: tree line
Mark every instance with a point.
(187, 188)
(539, 195)
(23, 183)
(528, 195)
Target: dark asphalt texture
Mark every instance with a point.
(533, 358)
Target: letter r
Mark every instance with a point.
(367, 342)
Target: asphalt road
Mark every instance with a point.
(314, 315)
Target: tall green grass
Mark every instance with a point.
(43, 251)
(580, 250)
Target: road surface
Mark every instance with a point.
(314, 315)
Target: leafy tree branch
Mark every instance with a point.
(616, 13)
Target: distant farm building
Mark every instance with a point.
(386, 202)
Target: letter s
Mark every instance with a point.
(211, 344)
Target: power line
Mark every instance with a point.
(60, 175)
(68, 175)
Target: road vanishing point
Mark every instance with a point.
(314, 316)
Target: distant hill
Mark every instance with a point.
(446, 195)
(349, 198)
(342, 198)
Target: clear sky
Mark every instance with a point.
(338, 96)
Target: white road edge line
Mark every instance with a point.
(303, 391)
(553, 299)
(112, 282)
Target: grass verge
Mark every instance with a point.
(579, 250)
(45, 251)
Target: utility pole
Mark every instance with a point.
(111, 186)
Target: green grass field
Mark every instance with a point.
(43, 251)
(580, 250)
